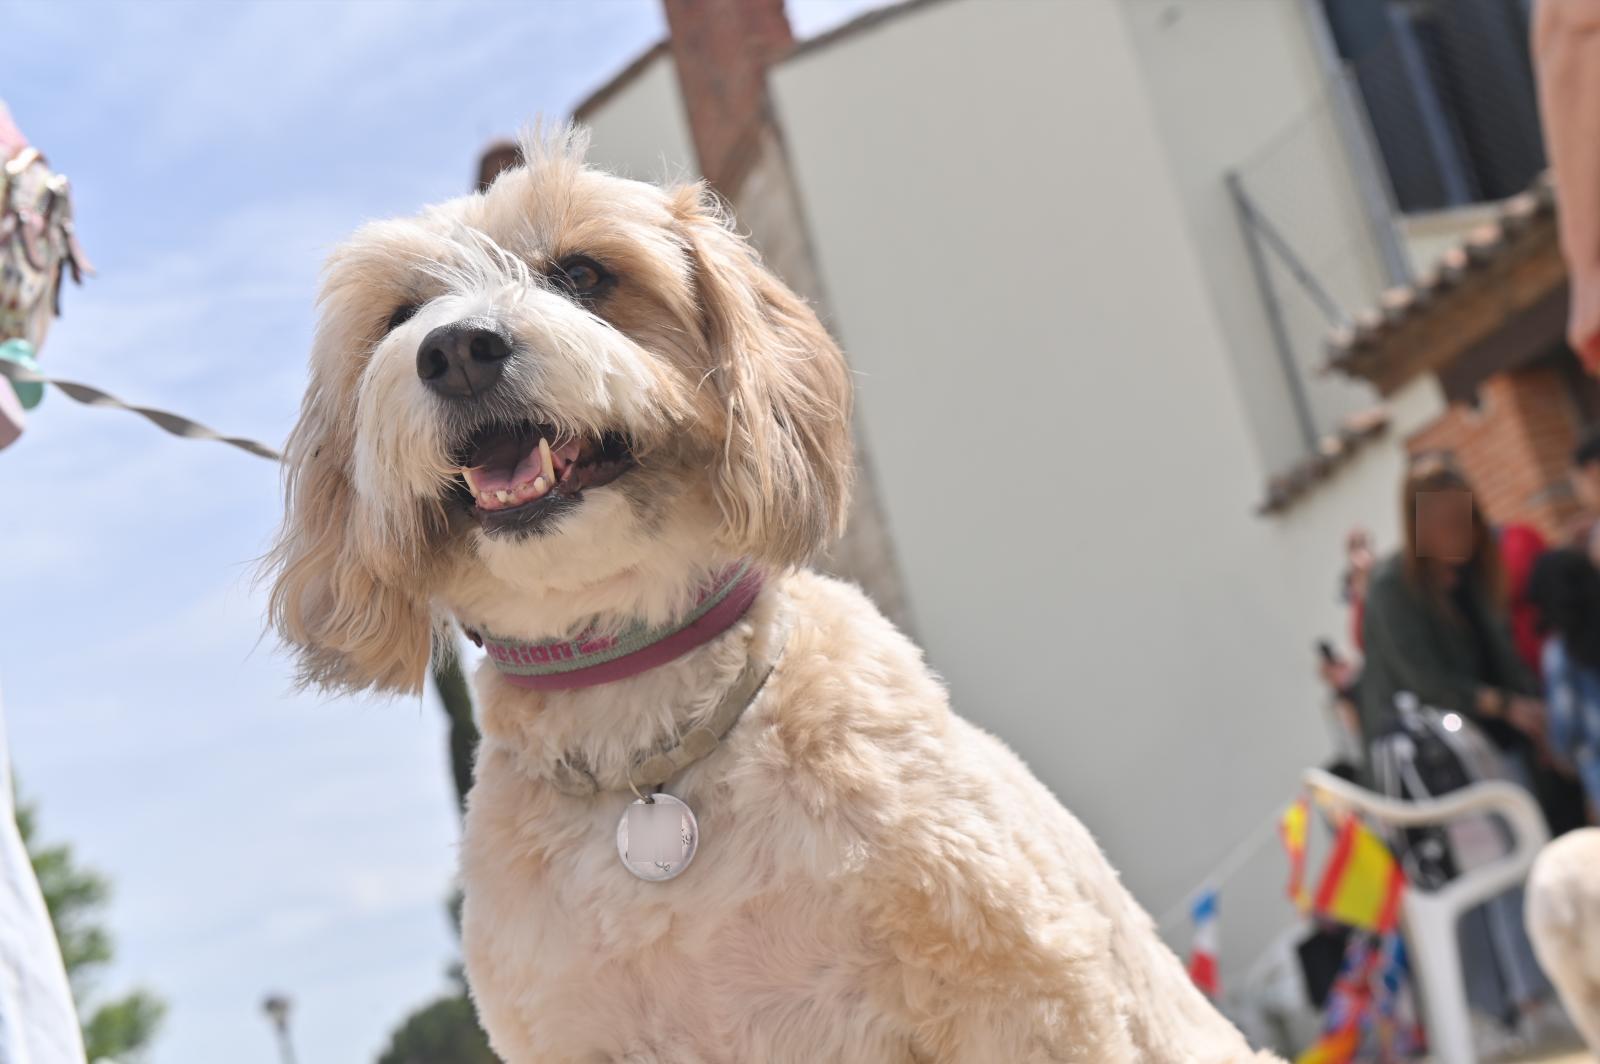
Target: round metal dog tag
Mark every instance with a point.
(657, 837)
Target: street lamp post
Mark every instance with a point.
(276, 1006)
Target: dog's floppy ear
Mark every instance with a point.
(782, 477)
(340, 596)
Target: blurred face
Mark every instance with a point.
(1444, 526)
(1586, 485)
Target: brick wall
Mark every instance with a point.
(722, 50)
(1515, 445)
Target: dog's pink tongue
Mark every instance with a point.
(505, 464)
(497, 477)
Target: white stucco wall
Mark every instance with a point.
(1238, 85)
(641, 130)
(1035, 272)
(1048, 391)
(1309, 537)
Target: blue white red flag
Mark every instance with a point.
(1203, 950)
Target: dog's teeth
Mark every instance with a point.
(503, 496)
(546, 461)
(540, 485)
(472, 485)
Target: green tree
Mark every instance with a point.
(121, 1029)
(444, 1031)
(455, 696)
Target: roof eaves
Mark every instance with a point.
(1360, 349)
(1334, 451)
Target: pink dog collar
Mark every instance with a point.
(588, 660)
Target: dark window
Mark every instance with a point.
(1448, 85)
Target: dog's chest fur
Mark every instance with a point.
(754, 953)
(877, 881)
(749, 956)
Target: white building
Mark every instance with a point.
(1022, 229)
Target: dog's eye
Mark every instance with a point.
(401, 315)
(580, 275)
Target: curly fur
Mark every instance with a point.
(1563, 917)
(878, 880)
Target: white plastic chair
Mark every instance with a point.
(1429, 918)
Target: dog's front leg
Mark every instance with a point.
(1089, 985)
(1054, 1031)
(1036, 1031)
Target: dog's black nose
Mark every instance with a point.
(462, 360)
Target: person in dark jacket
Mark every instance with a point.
(1435, 624)
(1438, 641)
(1566, 589)
(1446, 633)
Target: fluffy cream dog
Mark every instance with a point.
(1563, 917)
(877, 880)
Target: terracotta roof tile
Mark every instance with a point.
(1333, 451)
(1353, 348)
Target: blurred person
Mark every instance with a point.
(1479, 631)
(1341, 673)
(38, 1022)
(1585, 480)
(1566, 590)
(1566, 52)
(1562, 799)
(1341, 676)
(1446, 701)
(1521, 545)
(38, 248)
(1435, 622)
(1358, 562)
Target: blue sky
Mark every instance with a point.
(259, 840)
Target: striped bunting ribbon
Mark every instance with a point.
(161, 419)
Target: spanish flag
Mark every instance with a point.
(1348, 1009)
(1362, 884)
(1292, 830)
(1338, 1047)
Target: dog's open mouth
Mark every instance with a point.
(517, 477)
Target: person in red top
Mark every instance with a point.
(1359, 560)
(1584, 478)
(1520, 547)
